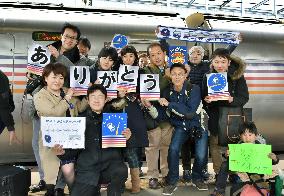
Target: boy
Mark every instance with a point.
(94, 164)
(248, 134)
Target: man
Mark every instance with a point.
(94, 164)
(159, 137)
(6, 108)
(197, 70)
(84, 46)
(181, 101)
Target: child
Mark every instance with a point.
(248, 134)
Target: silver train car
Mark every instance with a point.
(263, 53)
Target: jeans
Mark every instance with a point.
(221, 180)
(35, 145)
(201, 156)
(179, 137)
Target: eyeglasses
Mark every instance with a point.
(73, 38)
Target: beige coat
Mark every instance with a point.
(50, 105)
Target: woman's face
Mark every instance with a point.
(106, 63)
(128, 59)
(220, 64)
(54, 82)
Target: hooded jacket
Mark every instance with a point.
(237, 87)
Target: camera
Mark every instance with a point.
(196, 133)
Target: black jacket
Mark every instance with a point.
(237, 88)
(197, 72)
(6, 103)
(73, 55)
(93, 158)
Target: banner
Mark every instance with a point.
(38, 58)
(66, 131)
(217, 86)
(109, 80)
(113, 125)
(149, 86)
(198, 35)
(252, 158)
(79, 79)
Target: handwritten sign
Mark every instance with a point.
(38, 58)
(252, 158)
(127, 77)
(217, 86)
(178, 54)
(66, 131)
(79, 79)
(149, 86)
(109, 80)
(113, 125)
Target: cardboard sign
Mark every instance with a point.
(149, 86)
(79, 79)
(217, 86)
(109, 80)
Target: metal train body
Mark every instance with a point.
(262, 51)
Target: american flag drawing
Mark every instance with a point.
(112, 127)
(35, 69)
(150, 95)
(80, 90)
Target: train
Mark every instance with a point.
(262, 51)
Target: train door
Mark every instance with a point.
(13, 64)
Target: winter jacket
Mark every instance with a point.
(6, 103)
(182, 107)
(197, 72)
(237, 87)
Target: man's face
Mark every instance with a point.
(248, 137)
(69, 39)
(195, 57)
(97, 101)
(84, 50)
(178, 76)
(157, 56)
(220, 64)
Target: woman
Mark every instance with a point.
(54, 101)
(239, 96)
(130, 103)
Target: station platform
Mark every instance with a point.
(183, 189)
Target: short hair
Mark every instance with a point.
(56, 68)
(222, 52)
(85, 41)
(154, 44)
(96, 87)
(109, 52)
(73, 27)
(248, 127)
(200, 48)
(130, 49)
(143, 55)
(178, 65)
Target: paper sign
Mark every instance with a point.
(66, 131)
(127, 78)
(38, 58)
(252, 158)
(112, 127)
(149, 86)
(178, 54)
(217, 86)
(109, 80)
(79, 79)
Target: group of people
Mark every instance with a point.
(174, 124)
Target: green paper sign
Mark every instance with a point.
(252, 158)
